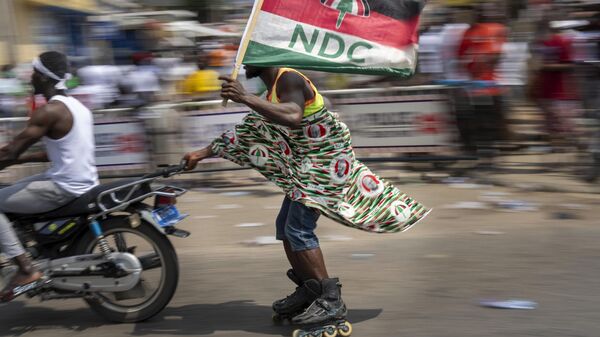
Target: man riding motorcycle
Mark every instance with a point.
(66, 128)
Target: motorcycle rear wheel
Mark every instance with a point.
(108, 305)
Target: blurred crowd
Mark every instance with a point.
(493, 57)
(546, 56)
(149, 78)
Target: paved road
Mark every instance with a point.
(426, 282)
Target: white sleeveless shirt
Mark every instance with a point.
(73, 158)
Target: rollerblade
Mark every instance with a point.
(300, 299)
(339, 328)
(326, 316)
(296, 279)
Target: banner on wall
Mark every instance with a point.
(406, 122)
(201, 128)
(121, 144)
(376, 124)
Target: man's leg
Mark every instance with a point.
(307, 264)
(307, 290)
(311, 264)
(304, 246)
(465, 121)
(292, 259)
(280, 233)
(9, 243)
(12, 249)
(29, 196)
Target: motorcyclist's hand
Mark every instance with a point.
(232, 89)
(192, 158)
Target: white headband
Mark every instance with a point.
(62, 82)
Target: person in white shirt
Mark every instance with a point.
(66, 128)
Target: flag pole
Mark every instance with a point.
(245, 41)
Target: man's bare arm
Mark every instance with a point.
(37, 157)
(38, 126)
(192, 158)
(287, 113)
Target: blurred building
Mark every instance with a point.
(30, 26)
(208, 11)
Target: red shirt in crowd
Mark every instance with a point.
(481, 49)
(556, 83)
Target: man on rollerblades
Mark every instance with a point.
(294, 141)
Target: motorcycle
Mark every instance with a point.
(108, 247)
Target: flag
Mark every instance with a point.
(355, 7)
(377, 37)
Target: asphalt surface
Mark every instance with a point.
(503, 243)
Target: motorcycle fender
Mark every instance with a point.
(147, 215)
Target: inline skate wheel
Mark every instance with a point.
(330, 331)
(345, 329)
(303, 333)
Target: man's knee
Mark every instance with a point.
(301, 240)
(300, 227)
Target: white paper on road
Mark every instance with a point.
(272, 207)
(467, 205)
(436, 256)
(489, 233)
(517, 206)
(227, 206)
(360, 256)
(235, 193)
(493, 196)
(263, 241)
(249, 224)
(467, 186)
(336, 238)
(509, 304)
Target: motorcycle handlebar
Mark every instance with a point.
(168, 171)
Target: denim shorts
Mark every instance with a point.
(296, 223)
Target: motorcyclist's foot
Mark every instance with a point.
(16, 286)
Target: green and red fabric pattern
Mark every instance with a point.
(337, 184)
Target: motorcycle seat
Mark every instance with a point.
(87, 202)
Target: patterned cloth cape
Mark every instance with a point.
(315, 165)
